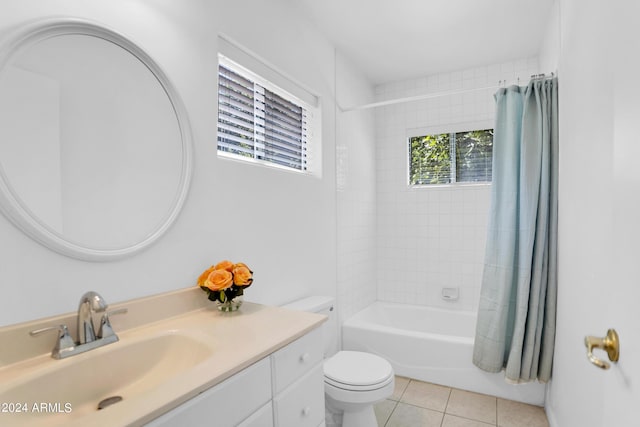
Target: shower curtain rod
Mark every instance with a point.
(501, 83)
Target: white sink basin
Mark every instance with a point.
(73, 387)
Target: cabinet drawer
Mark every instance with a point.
(293, 361)
(226, 404)
(263, 417)
(302, 404)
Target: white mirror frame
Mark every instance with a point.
(10, 203)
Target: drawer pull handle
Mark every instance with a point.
(304, 358)
(306, 411)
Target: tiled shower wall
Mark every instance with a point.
(356, 194)
(433, 237)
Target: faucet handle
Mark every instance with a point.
(105, 324)
(63, 344)
(91, 302)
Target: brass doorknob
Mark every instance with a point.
(610, 344)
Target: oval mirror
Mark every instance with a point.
(95, 145)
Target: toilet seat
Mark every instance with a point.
(351, 387)
(357, 371)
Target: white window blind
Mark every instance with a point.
(255, 122)
(474, 152)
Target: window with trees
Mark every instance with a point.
(448, 158)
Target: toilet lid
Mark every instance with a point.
(356, 368)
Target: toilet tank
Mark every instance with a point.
(321, 305)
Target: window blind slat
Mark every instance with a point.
(288, 112)
(240, 118)
(231, 88)
(232, 99)
(269, 144)
(235, 130)
(226, 75)
(279, 155)
(235, 149)
(231, 138)
(280, 151)
(281, 142)
(282, 121)
(284, 133)
(283, 114)
(284, 103)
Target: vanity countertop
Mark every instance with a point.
(236, 339)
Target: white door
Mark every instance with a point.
(621, 391)
(599, 224)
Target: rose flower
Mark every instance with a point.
(242, 276)
(219, 280)
(205, 275)
(224, 265)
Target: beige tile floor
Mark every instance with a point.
(419, 404)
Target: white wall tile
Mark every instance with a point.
(429, 238)
(356, 192)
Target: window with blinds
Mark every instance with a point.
(448, 158)
(259, 123)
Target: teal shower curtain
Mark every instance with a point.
(516, 317)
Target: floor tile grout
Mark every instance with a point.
(396, 404)
(446, 405)
(434, 410)
(397, 410)
(391, 413)
(448, 413)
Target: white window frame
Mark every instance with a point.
(437, 130)
(311, 132)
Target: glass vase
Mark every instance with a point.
(230, 304)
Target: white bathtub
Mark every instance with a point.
(430, 344)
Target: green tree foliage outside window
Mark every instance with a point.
(430, 159)
(451, 157)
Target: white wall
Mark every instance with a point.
(549, 53)
(433, 237)
(281, 224)
(356, 192)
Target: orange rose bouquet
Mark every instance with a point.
(225, 281)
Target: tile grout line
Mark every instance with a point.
(404, 390)
(445, 412)
(396, 404)
(446, 405)
(391, 413)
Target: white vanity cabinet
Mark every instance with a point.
(298, 382)
(285, 389)
(226, 404)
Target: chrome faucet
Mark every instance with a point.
(90, 303)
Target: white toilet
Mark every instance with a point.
(353, 381)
